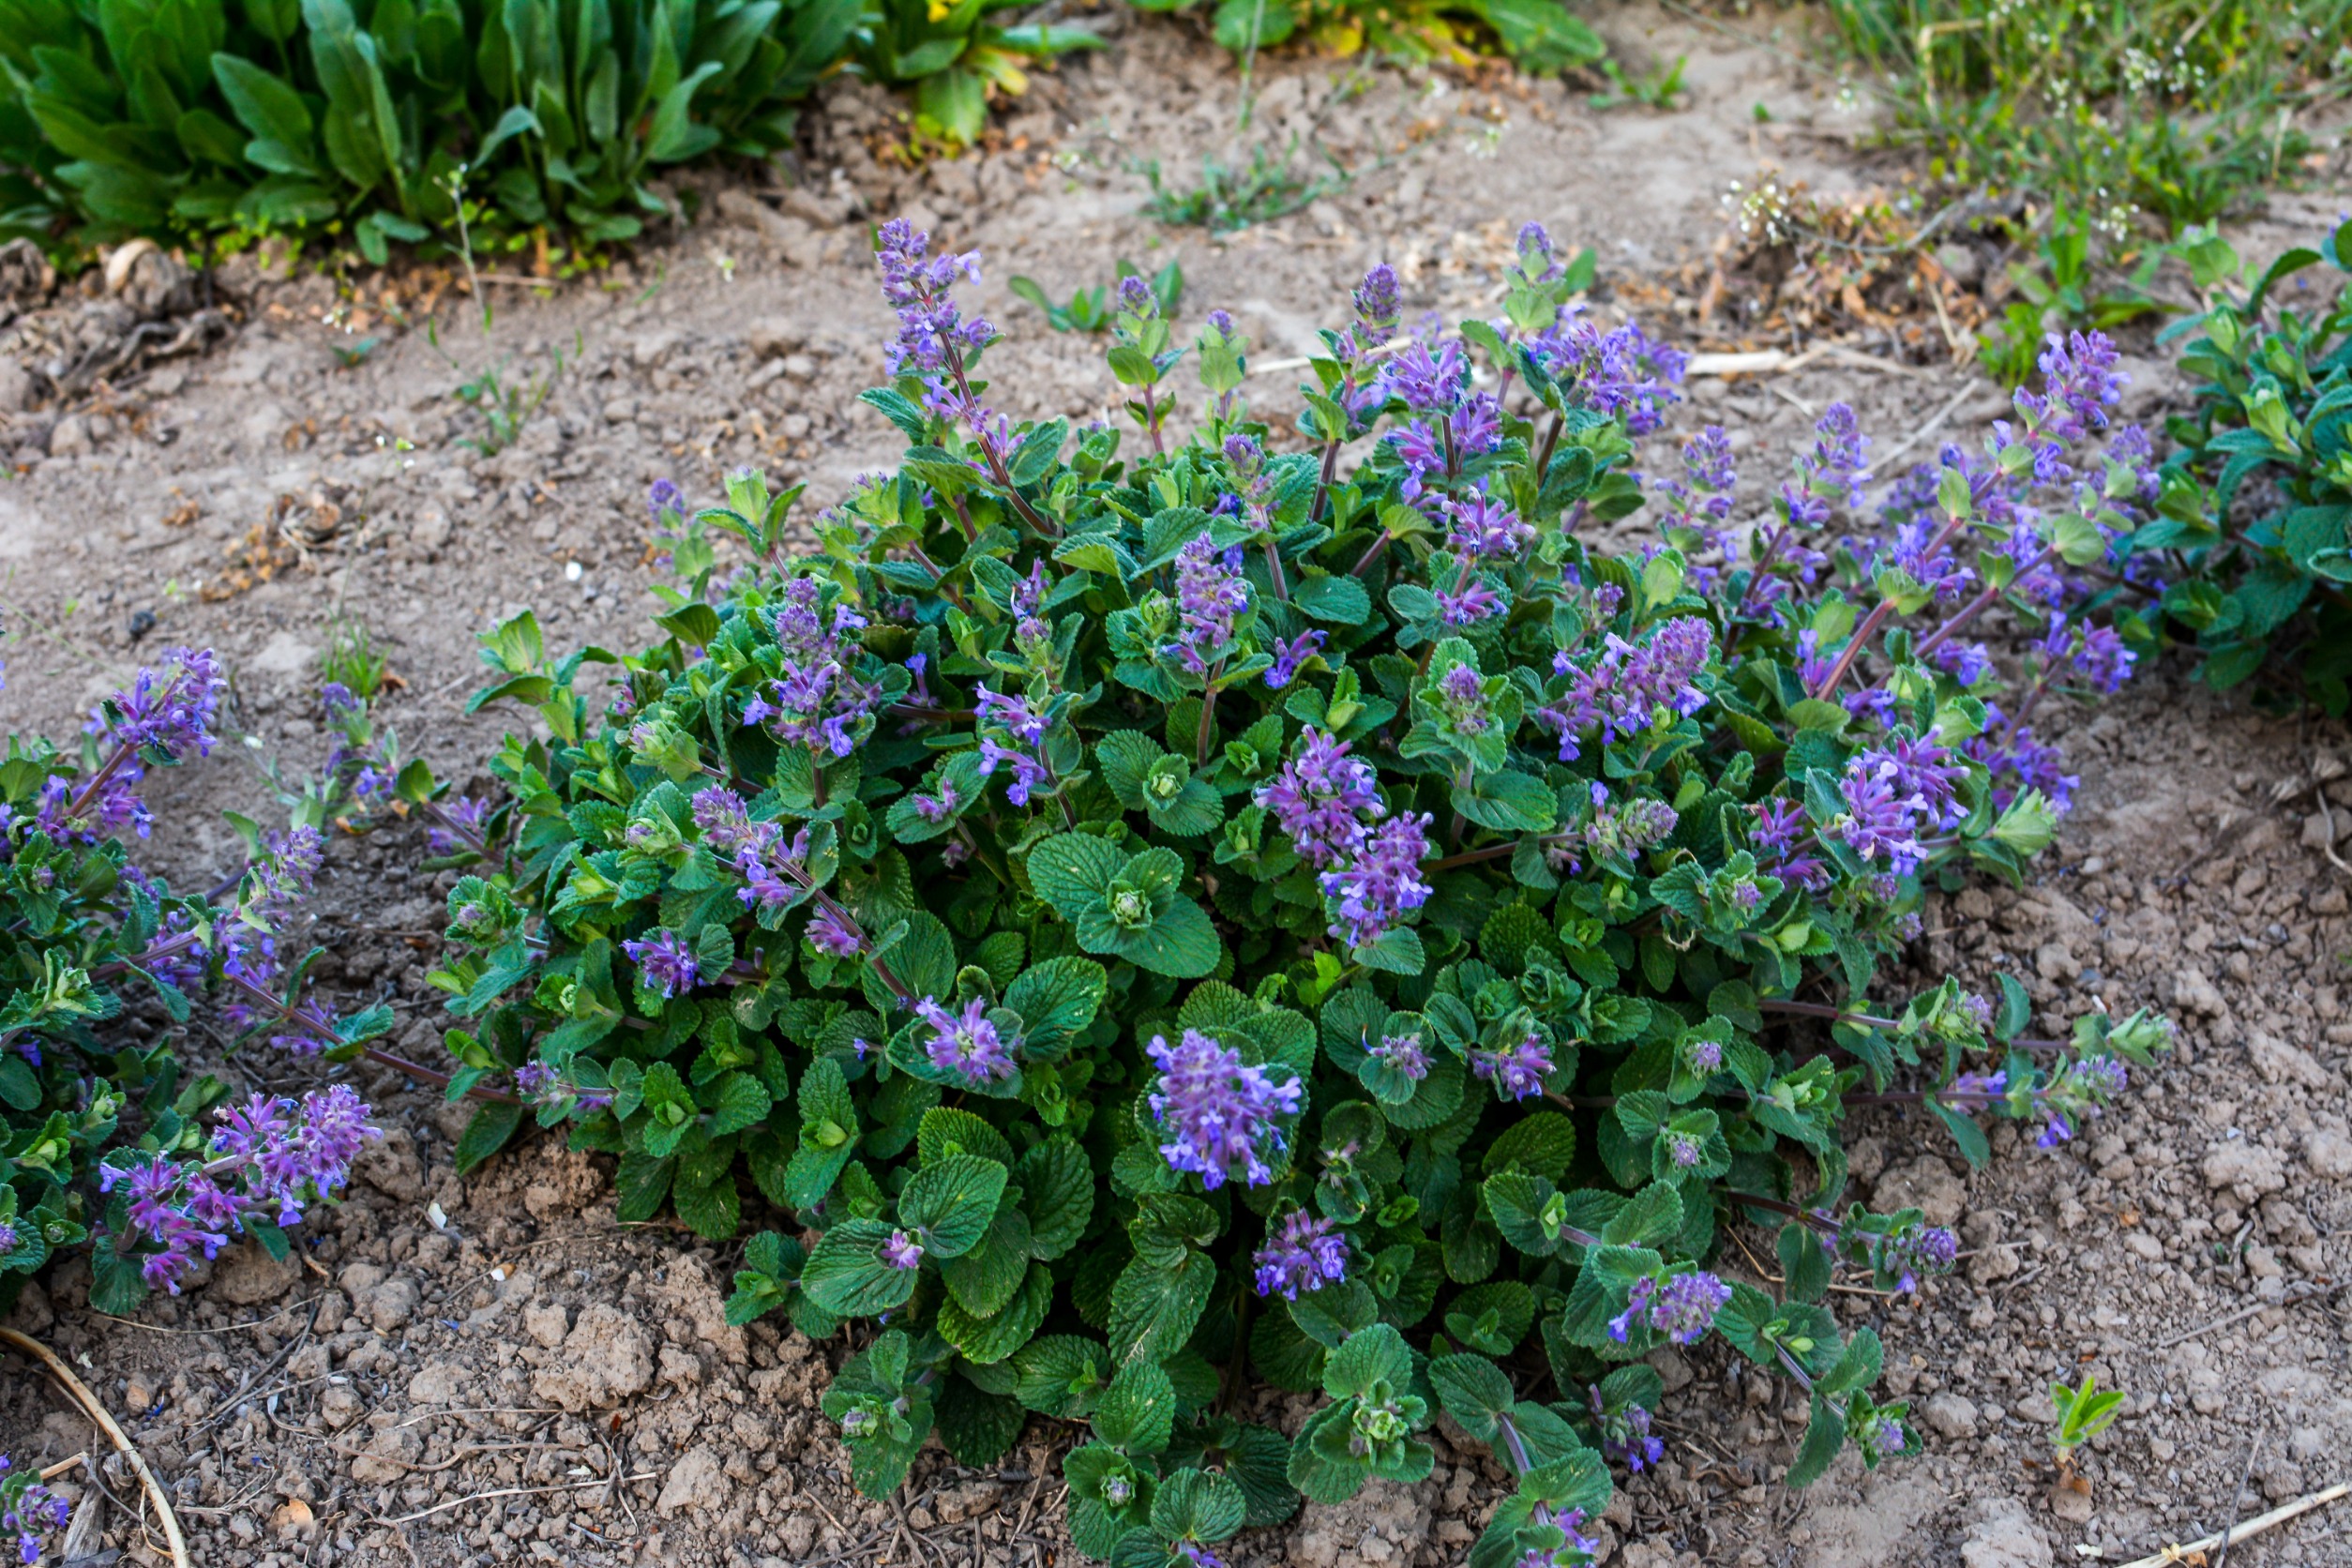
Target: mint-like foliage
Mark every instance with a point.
(1169, 914)
(2259, 507)
(103, 1137)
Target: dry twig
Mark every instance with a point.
(98, 1412)
(2255, 1526)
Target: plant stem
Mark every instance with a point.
(1975, 606)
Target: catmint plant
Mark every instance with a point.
(29, 1511)
(105, 1135)
(2249, 562)
(1324, 924)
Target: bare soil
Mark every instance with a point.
(470, 1372)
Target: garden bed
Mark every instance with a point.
(452, 1371)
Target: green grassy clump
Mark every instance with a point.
(2166, 113)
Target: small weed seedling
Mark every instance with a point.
(2083, 1413)
(2055, 285)
(1653, 89)
(1226, 200)
(1093, 310)
(351, 660)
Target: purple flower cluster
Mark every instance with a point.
(1486, 529)
(1014, 719)
(2018, 762)
(1322, 798)
(1428, 380)
(1785, 843)
(2097, 653)
(968, 1046)
(933, 338)
(1303, 1253)
(1574, 1552)
(1615, 372)
(1628, 688)
(542, 1085)
(1625, 830)
(275, 886)
(726, 826)
(1381, 880)
(29, 1510)
(1883, 812)
(1626, 1434)
(1916, 1250)
(1289, 657)
(1517, 1070)
(1404, 1052)
(2080, 383)
(1220, 1114)
(170, 710)
(1211, 597)
(269, 1159)
(460, 824)
(1681, 1307)
(818, 701)
(901, 1251)
(665, 962)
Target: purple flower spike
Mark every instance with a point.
(1210, 596)
(1683, 1307)
(1487, 529)
(968, 1046)
(1377, 302)
(1219, 1112)
(832, 933)
(1290, 656)
(1382, 882)
(665, 961)
(1319, 798)
(901, 1251)
(1306, 1253)
(728, 830)
(170, 709)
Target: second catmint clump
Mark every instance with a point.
(1142, 924)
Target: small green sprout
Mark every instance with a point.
(2083, 1413)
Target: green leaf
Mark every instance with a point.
(1153, 1310)
(946, 1131)
(1072, 872)
(1339, 601)
(986, 1341)
(978, 1428)
(1197, 1505)
(1473, 1391)
(846, 1273)
(1138, 1412)
(492, 1125)
(1544, 1143)
(953, 1202)
(1058, 1194)
(1181, 943)
(1057, 1000)
(1371, 1355)
(1061, 1375)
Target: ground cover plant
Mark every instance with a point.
(108, 1138)
(2264, 512)
(1223, 913)
(2170, 113)
(451, 124)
